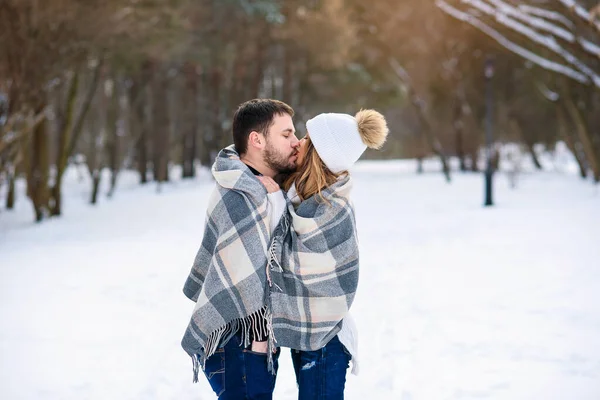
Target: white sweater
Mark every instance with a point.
(348, 335)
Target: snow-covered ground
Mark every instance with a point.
(455, 301)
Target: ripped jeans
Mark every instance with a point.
(321, 374)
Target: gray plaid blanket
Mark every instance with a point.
(228, 280)
(313, 268)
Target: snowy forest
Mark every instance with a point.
(147, 85)
(477, 222)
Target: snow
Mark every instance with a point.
(455, 301)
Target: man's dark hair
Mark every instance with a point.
(255, 115)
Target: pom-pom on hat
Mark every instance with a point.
(340, 139)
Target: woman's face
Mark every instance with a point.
(302, 150)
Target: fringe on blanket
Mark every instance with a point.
(258, 324)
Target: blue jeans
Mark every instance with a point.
(236, 373)
(321, 374)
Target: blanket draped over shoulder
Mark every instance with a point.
(228, 280)
(313, 268)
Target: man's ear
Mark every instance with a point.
(256, 140)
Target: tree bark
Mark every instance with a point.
(10, 197)
(534, 157)
(141, 146)
(190, 136)
(584, 136)
(70, 132)
(570, 141)
(112, 143)
(96, 176)
(95, 153)
(65, 128)
(39, 166)
(459, 135)
(140, 119)
(529, 144)
(419, 107)
(287, 74)
(212, 135)
(474, 159)
(160, 127)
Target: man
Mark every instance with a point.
(230, 332)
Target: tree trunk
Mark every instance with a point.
(584, 136)
(433, 143)
(95, 153)
(534, 156)
(112, 143)
(191, 126)
(187, 161)
(459, 135)
(64, 133)
(141, 147)
(419, 165)
(260, 61)
(10, 197)
(212, 137)
(70, 131)
(96, 176)
(160, 126)
(203, 102)
(142, 157)
(140, 120)
(474, 159)
(427, 132)
(529, 143)
(580, 164)
(39, 166)
(287, 74)
(570, 141)
(419, 107)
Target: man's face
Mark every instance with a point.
(281, 150)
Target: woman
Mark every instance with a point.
(313, 266)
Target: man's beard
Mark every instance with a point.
(278, 162)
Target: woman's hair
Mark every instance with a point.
(311, 176)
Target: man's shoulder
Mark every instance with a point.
(226, 197)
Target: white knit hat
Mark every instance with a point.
(340, 139)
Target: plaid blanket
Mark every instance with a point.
(313, 268)
(228, 280)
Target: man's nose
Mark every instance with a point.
(295, 142)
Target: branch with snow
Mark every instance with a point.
(542, 12)
(511, 46)
(535, 22)
(503, 14)
(578, 10)
(590, 47)
(519, 13)
(517, 20)
(548, 94)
